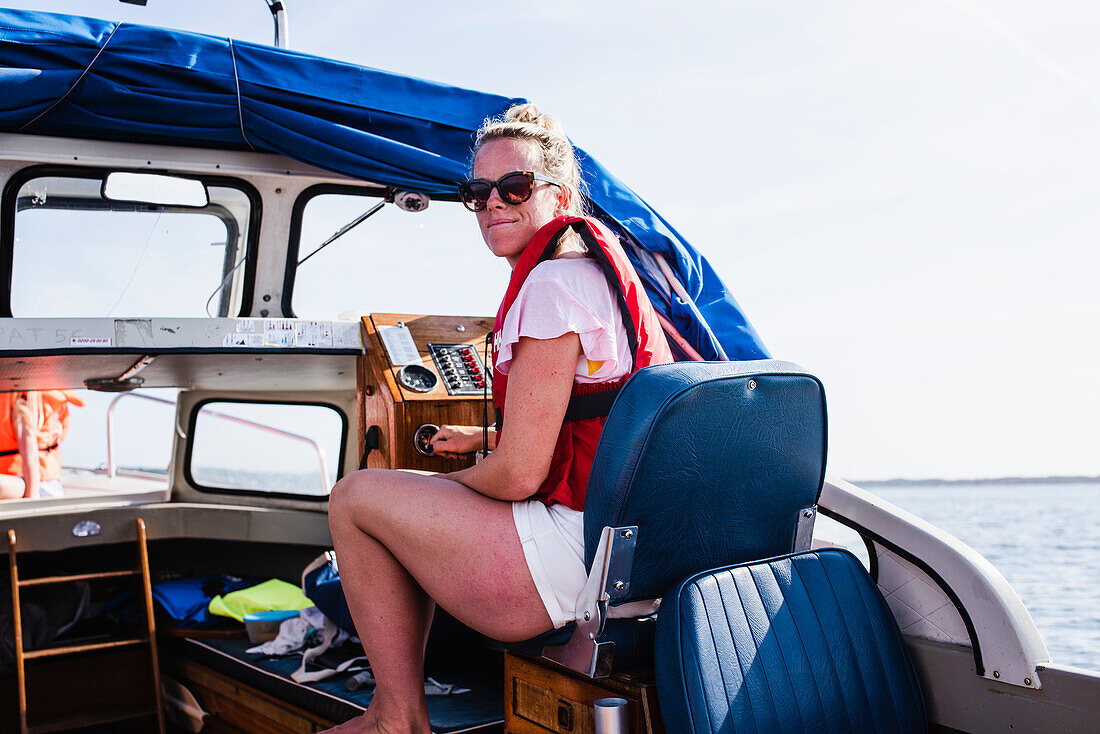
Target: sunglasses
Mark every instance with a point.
(515, 188)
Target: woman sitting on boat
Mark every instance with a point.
(500, 545)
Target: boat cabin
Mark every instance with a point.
(185, 257)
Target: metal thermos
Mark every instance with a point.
(611, 716)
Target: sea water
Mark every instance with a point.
(1044, 538)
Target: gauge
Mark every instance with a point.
(422, 439)
(417, 378)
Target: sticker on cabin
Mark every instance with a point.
(314, 333)
(90, 341)
(246, 326)
(243, 340)
(400, 345)
(279, 333)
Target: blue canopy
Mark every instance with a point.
(81, 77)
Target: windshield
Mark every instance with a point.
(428, 261)
(76, 253)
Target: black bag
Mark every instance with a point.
(47, 614)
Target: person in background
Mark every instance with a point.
(32, 426)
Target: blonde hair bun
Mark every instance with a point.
(527, 122)
(531, 115)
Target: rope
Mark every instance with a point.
(79, 79)
(237, 81)
(679, 290)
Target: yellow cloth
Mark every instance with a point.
(273, 594)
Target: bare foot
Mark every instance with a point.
(350, 727)
(369, 723)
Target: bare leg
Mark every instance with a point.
(404, 539)
(392, 615)
(11, 488)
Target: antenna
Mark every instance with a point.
(278, 14)
(282, 29)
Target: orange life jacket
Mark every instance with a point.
(589, 403)
(51, 424)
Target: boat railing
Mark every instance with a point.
(992, 619)
(318, 450)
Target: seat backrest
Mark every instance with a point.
(800, 643)
(713, 461)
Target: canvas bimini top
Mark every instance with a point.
(86, 78)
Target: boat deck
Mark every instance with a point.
(203, 665)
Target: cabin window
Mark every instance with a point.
(77, 253)
(115, 443)
(138, 428)
(428, 261)
(264, 447)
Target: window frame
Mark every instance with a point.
(19, 178)
(297, 215)
(192, 422)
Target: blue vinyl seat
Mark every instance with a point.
(700, 464)
(799, 643)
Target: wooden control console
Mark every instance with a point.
(394, 406)
(541, 697)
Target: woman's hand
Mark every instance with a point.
(453, 442)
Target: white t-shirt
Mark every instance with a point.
(570, 295)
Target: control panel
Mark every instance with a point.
(461, 367)
(420, 371)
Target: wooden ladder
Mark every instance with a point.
(149, 639)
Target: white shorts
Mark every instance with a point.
(50, 488)
(553, 544)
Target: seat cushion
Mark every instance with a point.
(800, 643)
(713, 461)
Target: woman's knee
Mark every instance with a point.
(360, 495)
(353, 488)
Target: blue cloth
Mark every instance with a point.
(187, 601)
(80, 77)
(184, 602)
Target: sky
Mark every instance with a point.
(902, 197)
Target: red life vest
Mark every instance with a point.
(589, 403)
